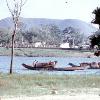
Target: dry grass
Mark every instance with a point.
(43, 84)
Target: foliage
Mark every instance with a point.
(47, 33)
(51, 34)
(72, 36)
(95, 39)
(4, 36)
(97, 16)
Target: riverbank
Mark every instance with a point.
(43, 84)
(40, 52)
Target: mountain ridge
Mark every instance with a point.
(83, 26)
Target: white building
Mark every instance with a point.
(40, 44)
(64, 45)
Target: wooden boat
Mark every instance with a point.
(75, 68)
(37, 66)
(68, 69)
(86, 65)
(31, 67)
(52, 68)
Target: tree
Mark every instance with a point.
(51, 33)
(4, 36)
(95, 39)
(72, 36)
(55, 33)
(96, 20)
(15, 8)
(28, 35)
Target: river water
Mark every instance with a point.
(62, 62)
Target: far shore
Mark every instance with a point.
(43, 52)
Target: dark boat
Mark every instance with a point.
(51, 68)
(38, 66)
(31, 67)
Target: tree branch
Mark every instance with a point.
(9, 8)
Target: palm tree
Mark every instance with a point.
(95, 38)
(97, 16)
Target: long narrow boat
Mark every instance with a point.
(31, 67)
(52, 68)
(38, 66)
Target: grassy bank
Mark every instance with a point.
(36, 52)
(43, 84)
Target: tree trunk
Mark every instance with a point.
(73, 42)
(12, 53)
(99, 26)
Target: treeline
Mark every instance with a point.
(50, 34)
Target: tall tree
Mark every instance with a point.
(72, 35)
(95, 38)
(96, 20)
(15, 8)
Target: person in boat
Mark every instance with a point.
(34, 62)
(97, 53)
(85, 65)
(53, 63)
(45, 65)
(73, 65)
(99, 64)
(94, 65)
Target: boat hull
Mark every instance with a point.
(52, 68)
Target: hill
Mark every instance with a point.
(84, 27)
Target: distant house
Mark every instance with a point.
(84, 46)
(64, 45)
(39, 44)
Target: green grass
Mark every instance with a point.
(43, 84)
(44, 52)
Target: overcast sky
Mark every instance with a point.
(55, 9)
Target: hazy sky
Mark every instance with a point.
(55, 9)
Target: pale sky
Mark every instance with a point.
(55, 9)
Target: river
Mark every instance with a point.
(62, 62)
